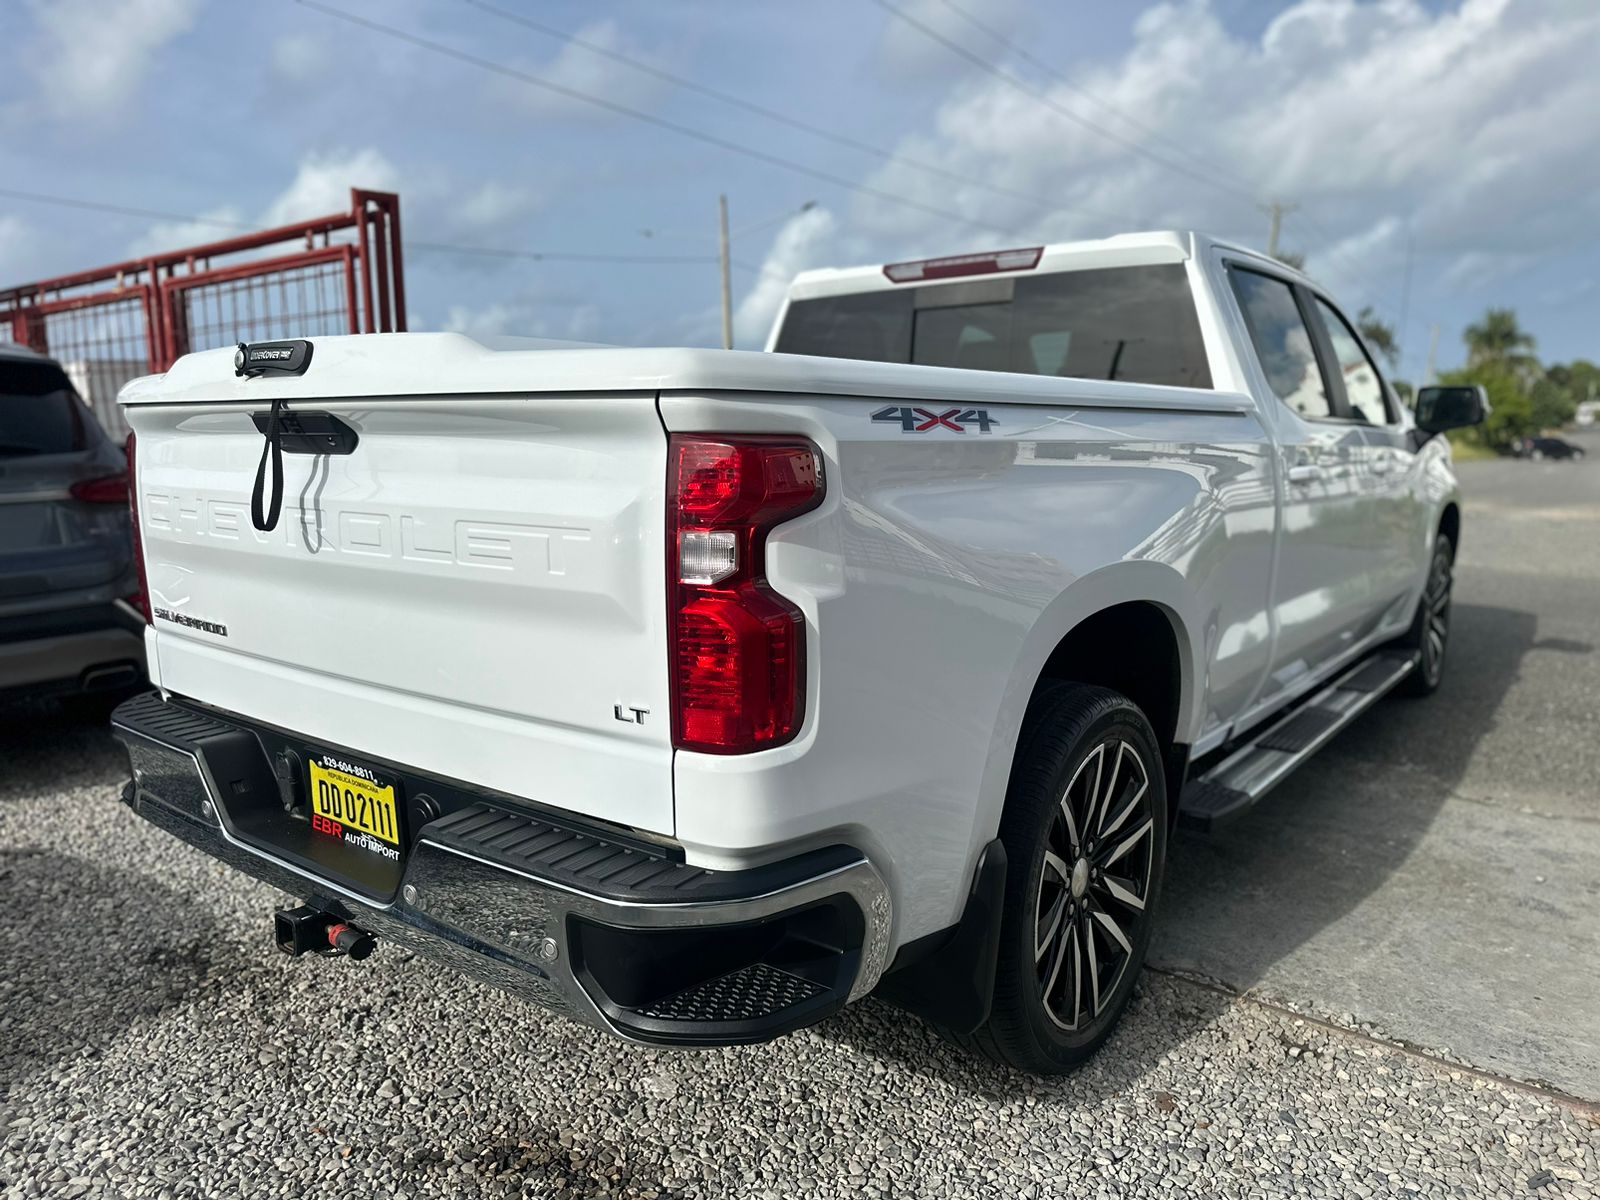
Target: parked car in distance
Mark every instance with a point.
(696, 693)
(70, 615)
(1542, 447)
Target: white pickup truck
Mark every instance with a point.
(698, 693)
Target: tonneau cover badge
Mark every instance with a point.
(272, 358)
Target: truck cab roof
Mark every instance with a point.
(1121, 250)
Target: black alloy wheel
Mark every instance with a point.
(1085, 832)
(1429, 636)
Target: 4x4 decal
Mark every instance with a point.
(921, 420)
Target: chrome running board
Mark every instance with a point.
(1244, 776)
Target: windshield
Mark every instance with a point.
(40, 412)
(1128, 323)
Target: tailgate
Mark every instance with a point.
(475, 591)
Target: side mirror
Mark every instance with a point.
(1441, 408)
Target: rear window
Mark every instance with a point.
(1129, 323)
(40, 412)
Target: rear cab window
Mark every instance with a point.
(40, 412)
(1136, 324)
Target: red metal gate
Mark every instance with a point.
(112, 324)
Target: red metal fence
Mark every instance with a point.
(112, 324)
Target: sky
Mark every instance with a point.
(1440, 158)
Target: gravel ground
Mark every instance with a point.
(153, 1047)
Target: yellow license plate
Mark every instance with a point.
(353, 804)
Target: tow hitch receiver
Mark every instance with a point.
(305, 929)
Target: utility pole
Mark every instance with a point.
(727, 282)
(1433, 349)
(1277, 210)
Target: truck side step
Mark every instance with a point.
(1257, 766)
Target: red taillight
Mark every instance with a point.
(738, 648)
(957, 265)
(108, 489)
(131, 488)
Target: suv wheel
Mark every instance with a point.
(1085, 832)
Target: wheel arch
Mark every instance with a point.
(1084, 636)
(1450, 524)
(1132, 648)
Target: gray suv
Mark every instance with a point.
(71, 604)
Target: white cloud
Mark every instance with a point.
(1470, 126)
(211, 226)
(322, 184)
(489, 213)
(491, 320)
(581, 70)
(807, 239)
(1477, 268)
(92, 55)
(301, 58)
(493, 205)
(527, 316)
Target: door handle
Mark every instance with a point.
(1305, 473)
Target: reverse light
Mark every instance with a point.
(131, 492)
(707, 556)
(737, 647)
(957, 265)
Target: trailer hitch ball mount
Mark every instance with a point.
(307, 930)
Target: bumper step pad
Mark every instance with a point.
(748, 994)
(179, 727)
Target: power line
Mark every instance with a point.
(1338, 263)
(761, 110)
(1333, 259)
(710, 139)
(560, 255)
(124, 210)
(767, 222)
(1050, 102)
(784, 214)
(1044, 98)
(1060, 77)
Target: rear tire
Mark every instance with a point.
(1429, 636)
(1085, 832)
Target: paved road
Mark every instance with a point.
(1432, 877)
(1436, 872)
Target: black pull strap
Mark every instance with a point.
(274, 446)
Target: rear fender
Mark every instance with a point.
(1118, 583)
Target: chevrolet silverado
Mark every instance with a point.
(696, 693)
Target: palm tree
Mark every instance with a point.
(1498, 338)
(1379, 335)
